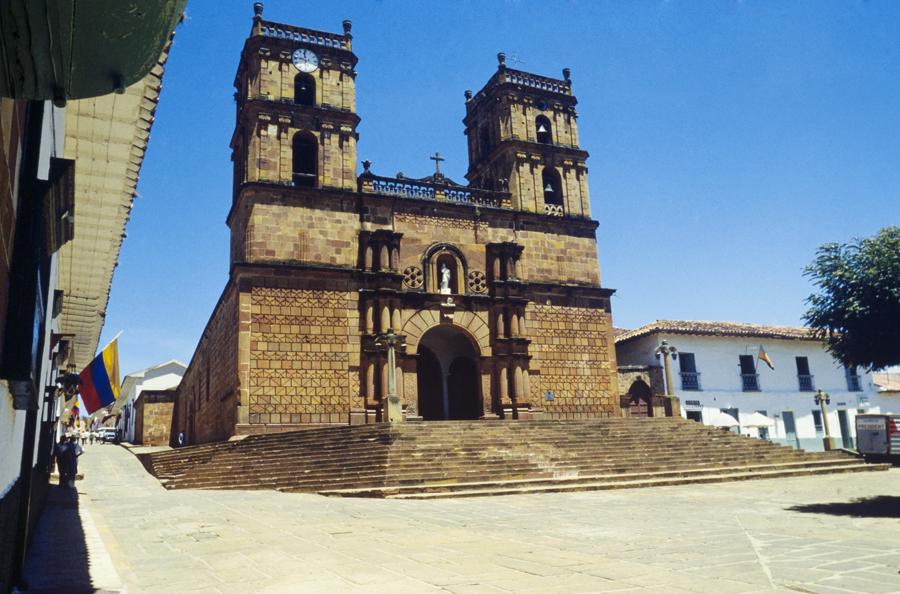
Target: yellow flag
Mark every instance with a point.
(763, 356)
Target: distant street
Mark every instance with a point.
(795, 535)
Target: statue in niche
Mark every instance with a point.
(445, 279)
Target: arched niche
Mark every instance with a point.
(438, 256)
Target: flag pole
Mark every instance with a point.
(114, 338)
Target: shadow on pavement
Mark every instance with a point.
(58, 557)
(884, 506)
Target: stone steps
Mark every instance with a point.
(363, 462)
(391, 476)
(453, 458)
(606, 482)
(725, 475)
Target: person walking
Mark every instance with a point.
(61, 457)
(75, 451)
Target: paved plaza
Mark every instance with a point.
(837, 533)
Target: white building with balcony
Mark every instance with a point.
(720, 367)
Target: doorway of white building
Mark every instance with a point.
(846, 440)
(790, 428)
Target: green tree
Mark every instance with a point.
(857, 308)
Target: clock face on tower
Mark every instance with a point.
(305, 60)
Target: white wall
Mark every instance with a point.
(717, 363)
(12, 427)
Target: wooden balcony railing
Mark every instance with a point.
(806, 382)
(750, 382)
(690, 380)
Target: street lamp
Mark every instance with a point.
(822, 398)
(392, 410)
(664, 351)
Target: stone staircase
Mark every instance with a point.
(469, 458)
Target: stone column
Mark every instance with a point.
(501, 325)
(445, 392)
(503, 384)
(513, 323)
(370, 381)
(516, 389)
(385, 318)
(370, 317)
(395, 318)
(384, 261)
(395, 258)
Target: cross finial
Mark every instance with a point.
(437, 158)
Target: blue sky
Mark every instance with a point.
(728, 140)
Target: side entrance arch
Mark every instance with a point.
(639, 399)
(448, 375)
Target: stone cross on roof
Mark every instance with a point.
(437, 158)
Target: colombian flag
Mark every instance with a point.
(100, 380)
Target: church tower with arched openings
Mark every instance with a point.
(296, 108)
(523, 136)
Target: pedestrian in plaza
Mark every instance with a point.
(72, 454)
(61, 457)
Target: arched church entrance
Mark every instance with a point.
(447, 374)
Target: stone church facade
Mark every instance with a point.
(494, 285)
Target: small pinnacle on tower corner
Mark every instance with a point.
(501, 59)
(348, 24)
(257, 10)
(567, 73)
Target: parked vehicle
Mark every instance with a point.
(107, 434)
(878, 437)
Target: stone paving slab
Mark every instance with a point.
(781, 535)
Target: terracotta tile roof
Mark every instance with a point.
(699, 328)
(887, 382)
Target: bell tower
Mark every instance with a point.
(523, 136)
(296, 108)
